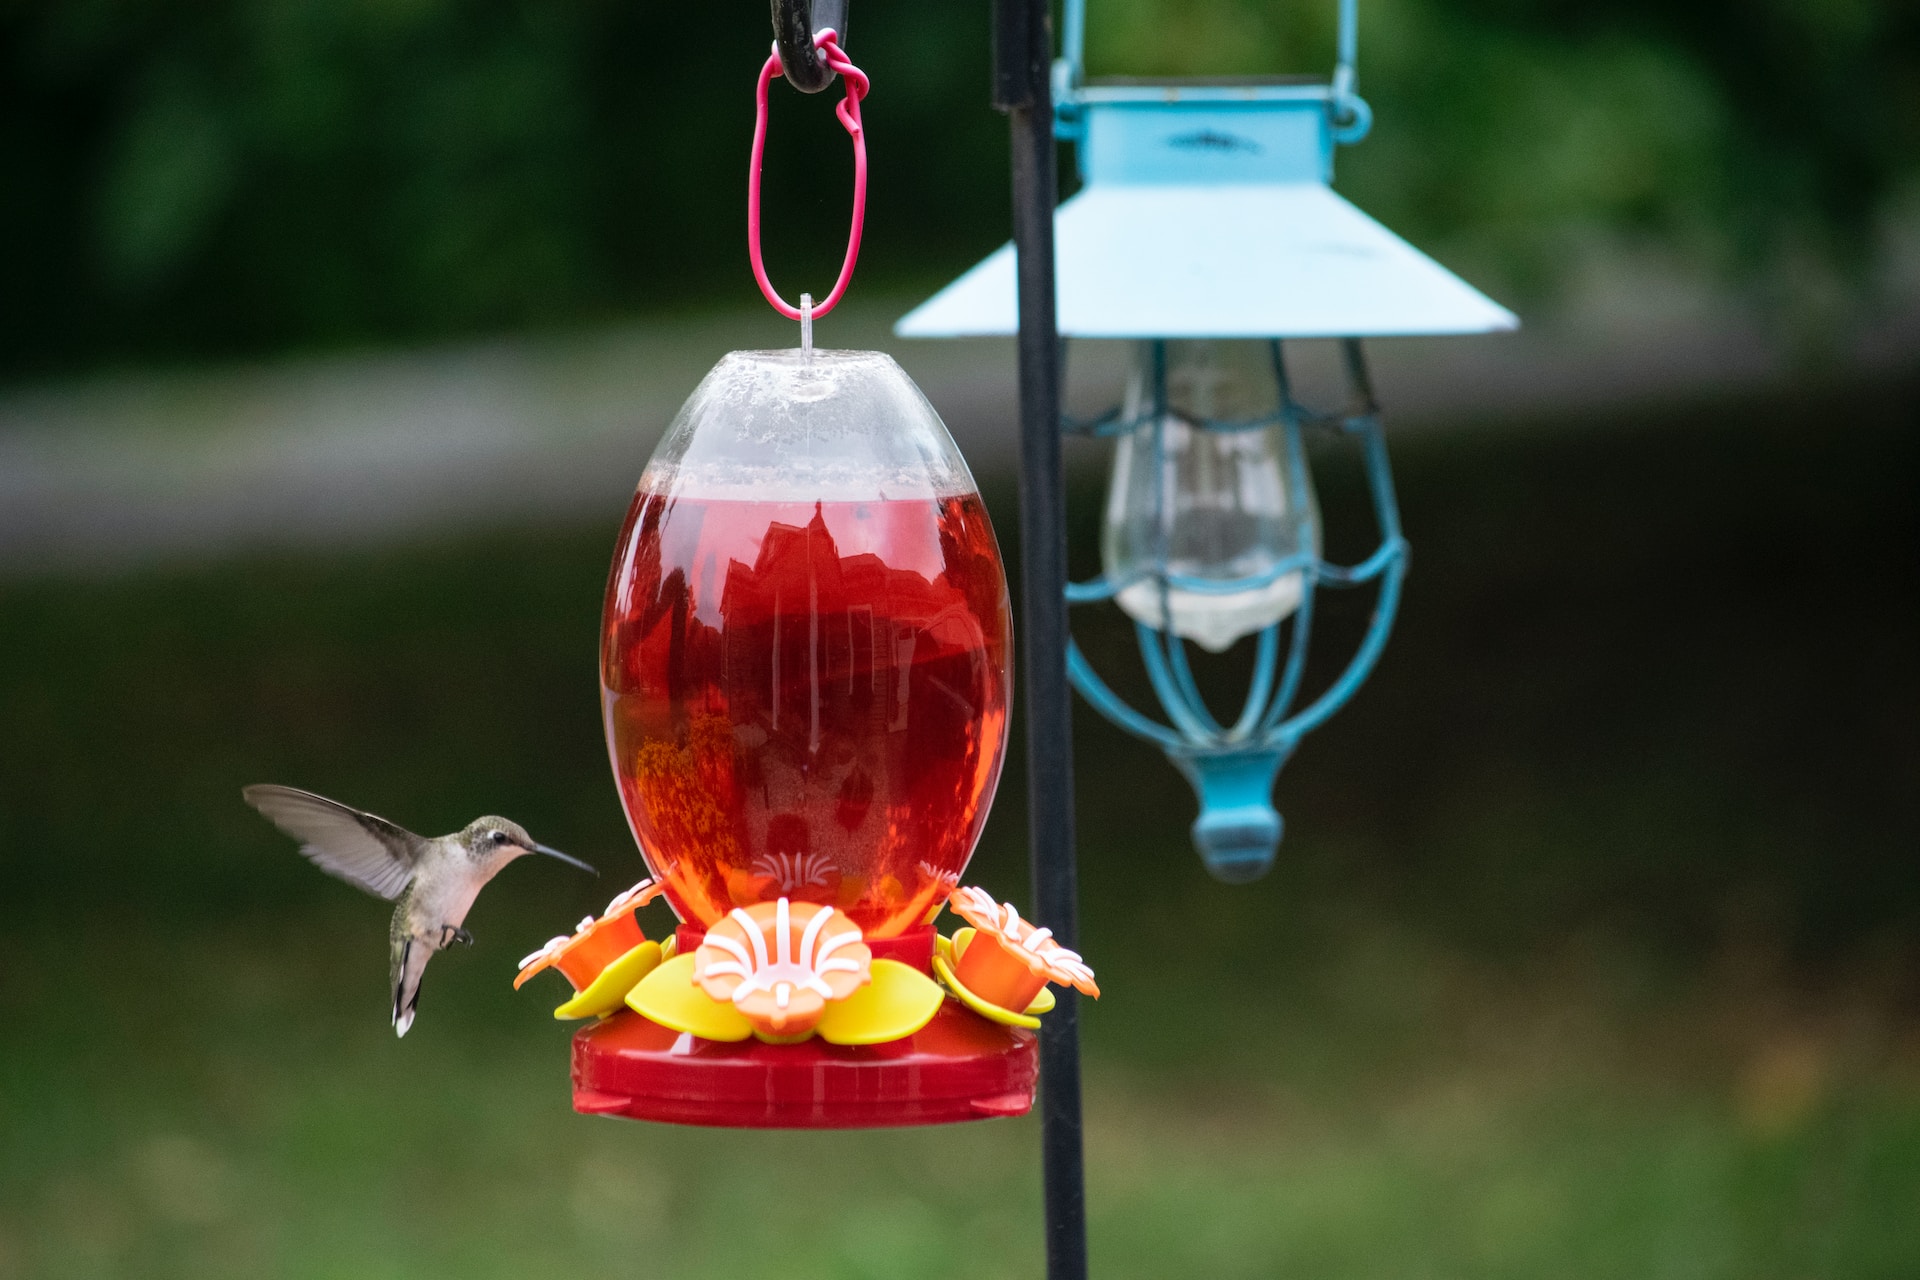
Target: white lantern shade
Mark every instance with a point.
(1206, 215)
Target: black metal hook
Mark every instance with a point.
(795, 23)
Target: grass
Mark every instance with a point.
(225, 1101)
(1592, 951)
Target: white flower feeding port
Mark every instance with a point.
(742, 968)
(1207, 233)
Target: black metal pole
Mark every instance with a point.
(1023, 49)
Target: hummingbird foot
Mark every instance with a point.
(450, 934)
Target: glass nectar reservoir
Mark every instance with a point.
(804, 652)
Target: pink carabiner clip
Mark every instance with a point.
(828, 42)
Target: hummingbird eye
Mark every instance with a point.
(499, 837)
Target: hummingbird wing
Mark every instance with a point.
(357, 847)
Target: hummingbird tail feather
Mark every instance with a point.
(406, 985)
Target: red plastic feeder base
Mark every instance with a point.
(957, 1067)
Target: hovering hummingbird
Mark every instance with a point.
(433, 881)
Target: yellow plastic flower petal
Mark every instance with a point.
(608, 991)
(991, 1012)
(669, 997)
(898, 1002)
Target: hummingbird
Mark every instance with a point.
(431, 881)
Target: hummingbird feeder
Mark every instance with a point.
(805, 683)
(1207, 234)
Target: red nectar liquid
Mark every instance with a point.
(807, 698)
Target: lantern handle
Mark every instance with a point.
(1070, 70)
(797, 25)
(1348, 113)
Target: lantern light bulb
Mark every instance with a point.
(1195, 496)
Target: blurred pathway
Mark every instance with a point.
(130, 468)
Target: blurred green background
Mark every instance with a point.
(191, 177)
(1594, 947)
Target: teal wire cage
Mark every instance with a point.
(1233, 766)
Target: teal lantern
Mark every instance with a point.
(1207, 234)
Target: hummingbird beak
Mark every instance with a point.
(572, 862)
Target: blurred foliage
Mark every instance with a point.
(190, 177)
(1771, 139)
(186, 177)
